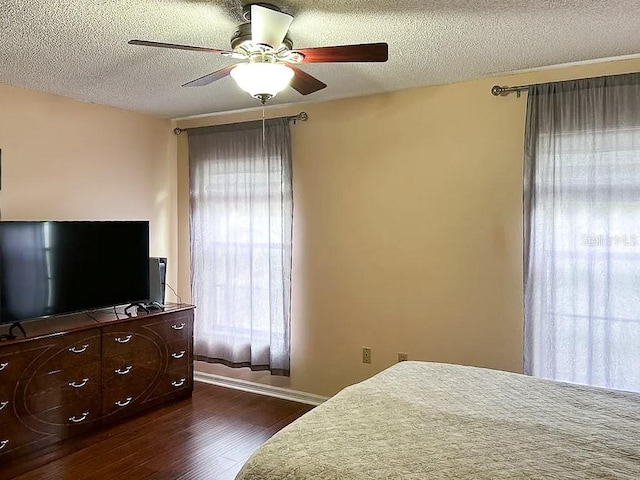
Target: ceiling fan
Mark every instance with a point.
(270, 60)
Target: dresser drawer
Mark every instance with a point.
(174, 382)
(70, 351)
(124, 399)
(71, 416)
(119, 403)
(179, 354)
(76, 378)
(16, 360)
(143, 345)
(174, 327)
(62, 387)
(7, 411)
(124, 370)
(120, 362)
(14, 435)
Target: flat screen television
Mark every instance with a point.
(51, 268)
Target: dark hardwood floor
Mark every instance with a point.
(207, 437)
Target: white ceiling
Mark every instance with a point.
(78, 48)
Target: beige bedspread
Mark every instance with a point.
(437, 421)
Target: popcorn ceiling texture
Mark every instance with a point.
(78, 48)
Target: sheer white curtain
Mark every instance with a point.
(241, 232)
(582, 232)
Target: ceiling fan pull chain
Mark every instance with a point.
(264, 153)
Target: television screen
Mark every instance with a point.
(49, 268)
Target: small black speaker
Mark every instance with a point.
(157, 279)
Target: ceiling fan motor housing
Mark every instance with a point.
(241, 40)
(246, 9)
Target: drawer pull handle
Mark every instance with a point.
(179, 354)
(3, 443)
(178, 326)
(124, 371)
(124, 339)
(179, 383)
(3, 365)
(82, 349)
(124, 403)
(81, 419)
(79, 385)
(3, 404)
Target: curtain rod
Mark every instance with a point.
(301, 117)
(497, 90)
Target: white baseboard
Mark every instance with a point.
(259, 388)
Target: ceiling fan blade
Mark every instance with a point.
(305, 83)
(269, 27)
(146, 43)
(366, 52)
(210, 77)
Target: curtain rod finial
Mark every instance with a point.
(497, 90)
(301, 117)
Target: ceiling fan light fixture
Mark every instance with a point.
(262, 80)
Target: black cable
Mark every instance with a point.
(174, 292)
(88, 313)
(116, 312)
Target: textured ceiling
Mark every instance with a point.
(78, 48)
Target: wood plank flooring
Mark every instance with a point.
(207, 437)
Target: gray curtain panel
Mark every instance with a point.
(582, 232)
(241, 208)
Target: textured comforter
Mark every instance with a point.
(435, 421)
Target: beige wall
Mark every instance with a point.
(67, 160)
(407, 229)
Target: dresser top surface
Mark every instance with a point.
(63, 324)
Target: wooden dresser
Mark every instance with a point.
(74, 374)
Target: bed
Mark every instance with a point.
(428, 421)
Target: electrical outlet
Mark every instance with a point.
(366, 355)
(403, 357)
